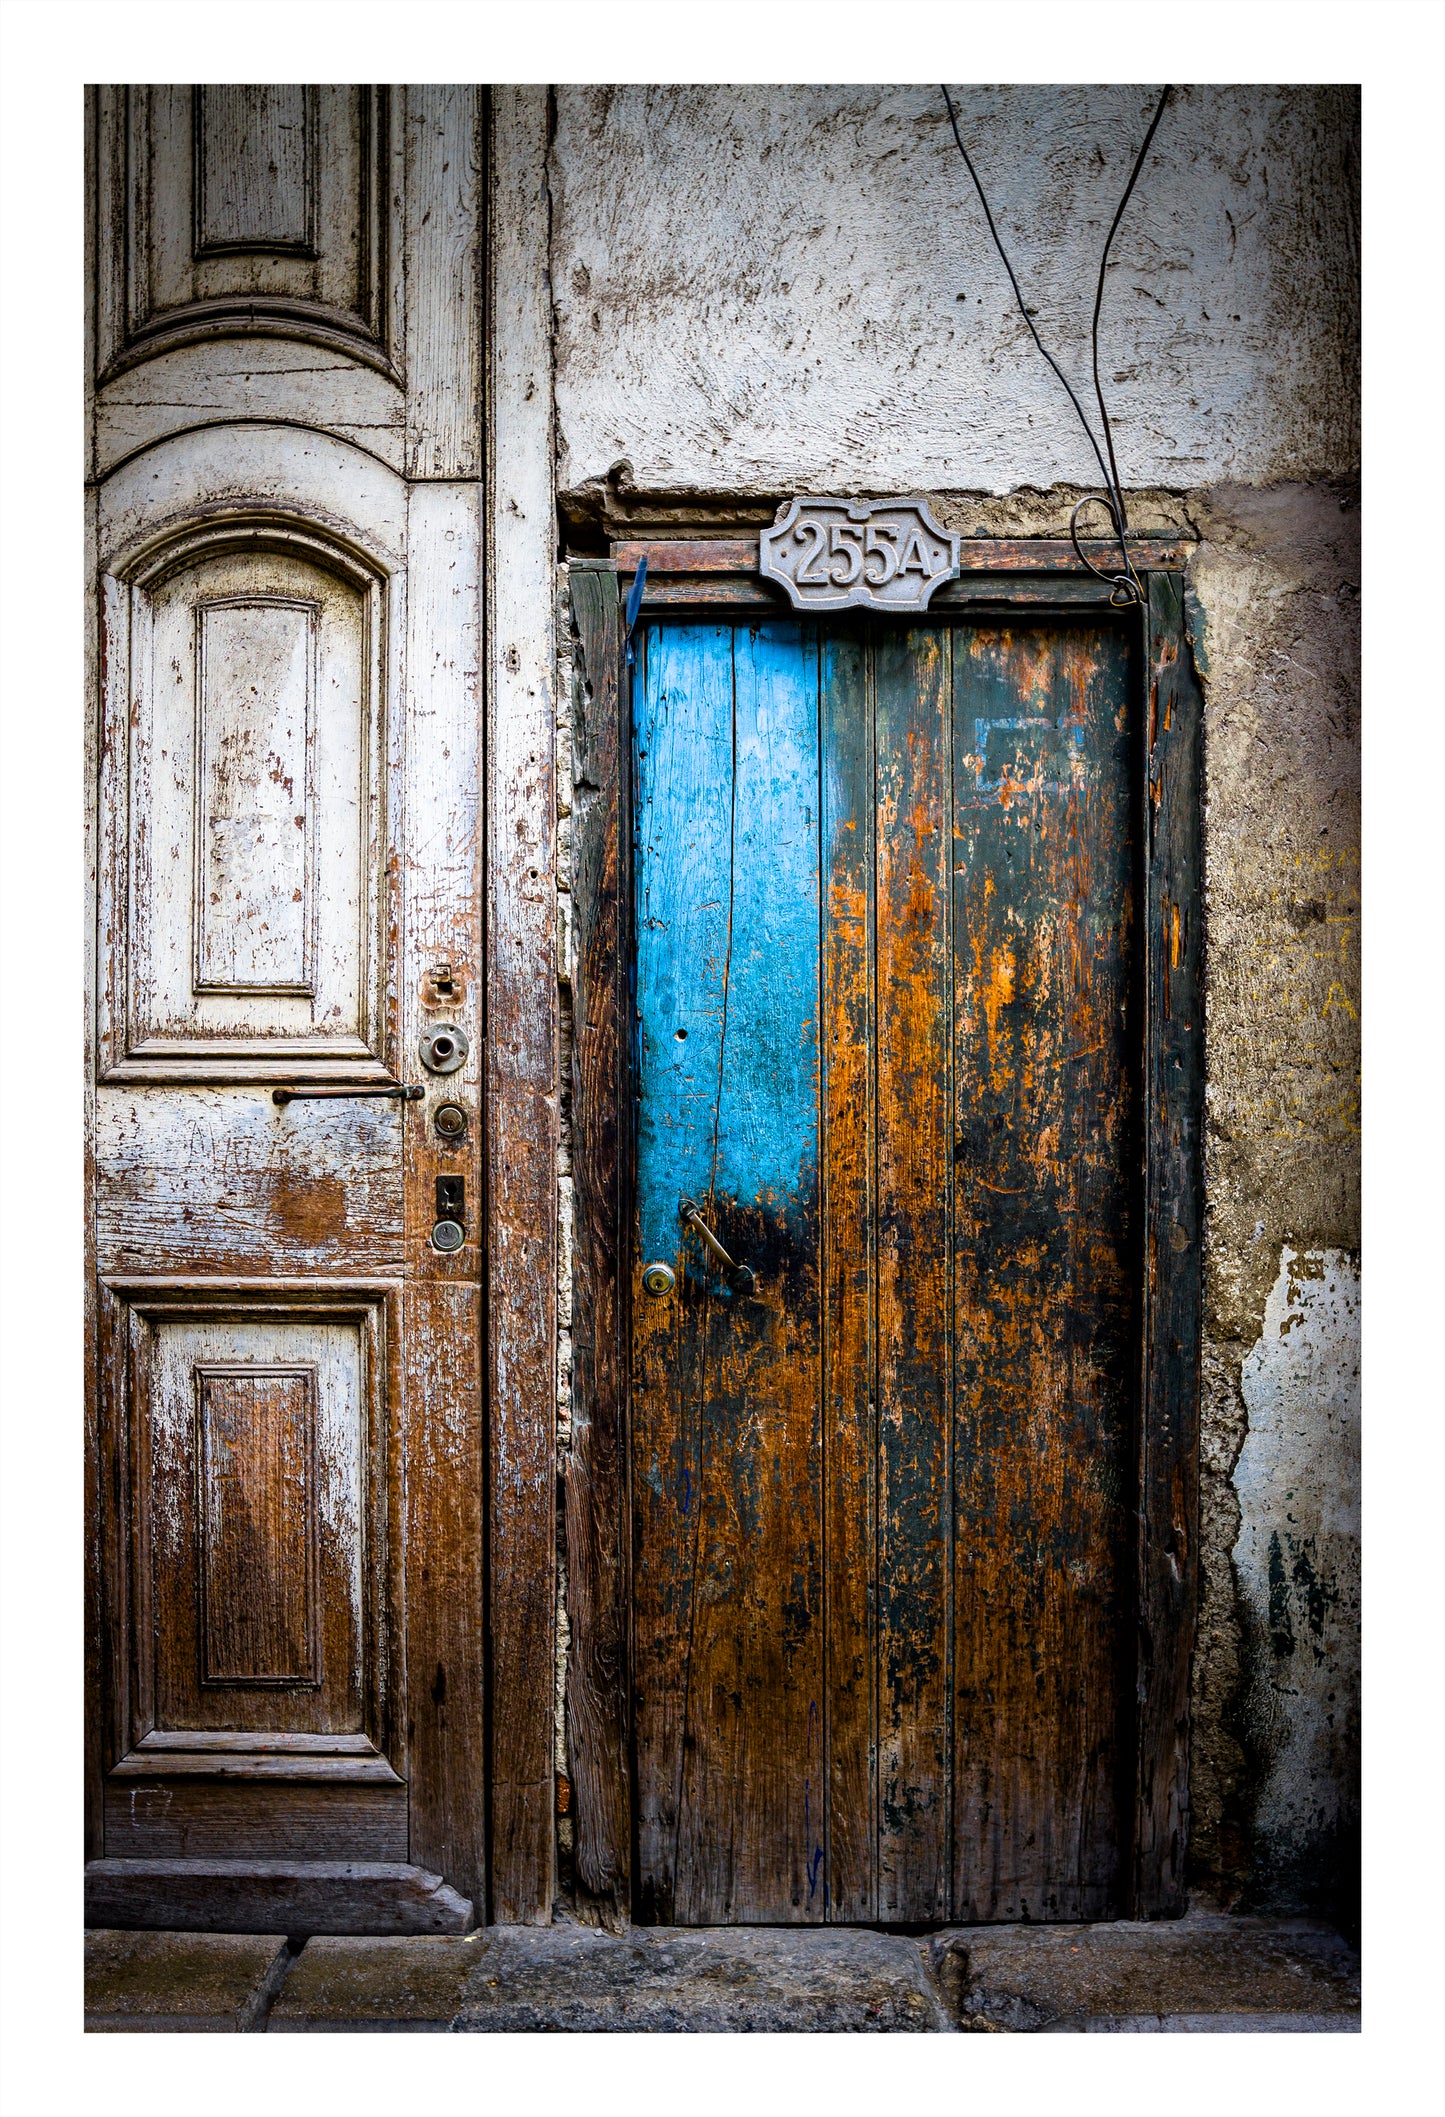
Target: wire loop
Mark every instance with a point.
(1125, 588)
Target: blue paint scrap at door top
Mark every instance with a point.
(727, 911)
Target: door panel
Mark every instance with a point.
(256, 751)
(883, 888)
(255, 1496)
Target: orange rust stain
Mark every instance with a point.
(998, 992)
(311, 1209)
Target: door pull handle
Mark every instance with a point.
(404, 1091)
(740, 1276)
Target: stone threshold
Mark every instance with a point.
(1208, 1972)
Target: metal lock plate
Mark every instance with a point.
(658, 1280)
(450, 1120)
(444, 1047)
(448, 1234)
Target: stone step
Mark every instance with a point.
(1208, 1972)
(218, 1983)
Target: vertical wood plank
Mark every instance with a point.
(521, 1010)
(726, 1452)
(750, 1828)
(443, 248)
(914, 1185)
(849, 1436)
(98, 1591)
(444, 1421)
(682, 847)
(1174, 1090)
(597, 1727)
(1045, 1312)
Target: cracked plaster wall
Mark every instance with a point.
(766, 290)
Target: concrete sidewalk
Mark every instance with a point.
(1206, 1972)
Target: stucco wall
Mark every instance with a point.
(764, 290)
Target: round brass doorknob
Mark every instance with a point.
(658, 1280)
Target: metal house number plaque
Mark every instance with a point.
(845, 554)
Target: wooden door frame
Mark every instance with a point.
(718, 576)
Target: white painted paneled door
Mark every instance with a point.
(285, 601)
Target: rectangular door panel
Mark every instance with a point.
(249, 701)
(883, 889)
(249, 208)
(254, 1479)
(249, 1434)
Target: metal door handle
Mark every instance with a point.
(407, 1092)
(740, 1275)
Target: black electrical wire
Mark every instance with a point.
(1127, 586)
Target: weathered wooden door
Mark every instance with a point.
(889, 1043)
(286, 598)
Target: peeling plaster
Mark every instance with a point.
(1297, 1561)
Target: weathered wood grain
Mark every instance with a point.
(1045, 1309)
(728, 1551)
(914, 1177)
(1173, 937)
(217, 1179)
(444, 1459)
(291, 1769)
(704, 555)
(742, 593)
(211, 1819)
(849, 1378)
(595, 1496)
(750, 1825)
(272, 1896)
(443, 1396)
(681, 839)
(93, 1574)
(443, 239)
(521, 1126)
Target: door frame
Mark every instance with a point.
(718, 576)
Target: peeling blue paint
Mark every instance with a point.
(726, 888)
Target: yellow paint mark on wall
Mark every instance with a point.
(1338, 997)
